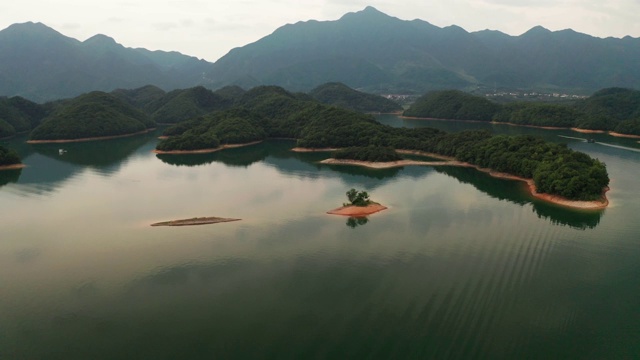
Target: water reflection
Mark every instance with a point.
(107, 156)
(354, 222)
(513, 191)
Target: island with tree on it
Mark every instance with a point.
(9, 159)
(359, 205)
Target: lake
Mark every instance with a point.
(461, 265)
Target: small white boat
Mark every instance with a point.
(61, 151)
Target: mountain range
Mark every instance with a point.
(367, 50)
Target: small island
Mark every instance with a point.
(359, 205)
(194, 221)
(9, 159)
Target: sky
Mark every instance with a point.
(208, 29)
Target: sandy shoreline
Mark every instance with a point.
(555, 199)
(613, 133)
(389, 164)
(307, 150)
(206, 151)
(584, 131)
(194, 221)
(12, 167)
(63, 141)
(357, 211)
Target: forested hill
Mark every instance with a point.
(40, 64)
(339, 94)
(95, 114)
(8, 157)
(18, 115)
(377, 53)
(613, 109)
(265, 112)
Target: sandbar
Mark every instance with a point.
(194, 221)
(12, 167)
(599, 204)
(587, 131)
(357, 211)
(305, 150)
(62, 141)
(206, 151)
(613, 133)
(384, 165)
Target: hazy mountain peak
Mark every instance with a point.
(102, 40)
(537, 30)
(368, 13)
(28, 29)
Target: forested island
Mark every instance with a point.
(272, 112)
(615, 110)
(9, 159)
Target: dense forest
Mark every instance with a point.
(613, 109)
(18, 115)
(338, 94)
(273, 112)
(95, 114)
(8, 157)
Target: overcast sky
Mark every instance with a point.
(208, 29)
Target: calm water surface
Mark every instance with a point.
(462, 266)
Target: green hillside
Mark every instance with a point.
(95, 114)
(338, 94)
(179, 105)
(613, 109)
(8, 157)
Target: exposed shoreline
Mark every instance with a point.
(357, 211)
(555, 199)
(206, 151)
(194, 221)
(613, 133)
(583, 131)
(308, 150)
(96, 138)
(12, 167)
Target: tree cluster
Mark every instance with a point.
(358, 198)
(8, 157)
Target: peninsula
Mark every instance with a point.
(599, 203)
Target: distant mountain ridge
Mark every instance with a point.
(39, 63)
(366, 50)
(377, 53)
